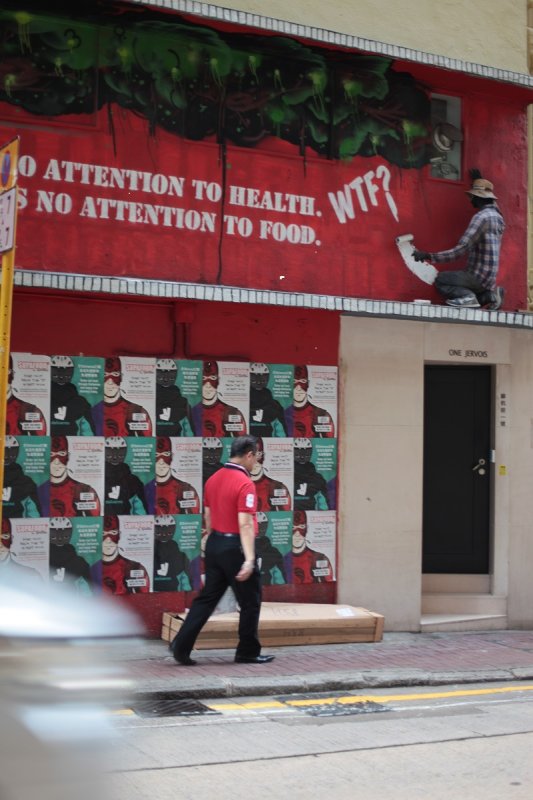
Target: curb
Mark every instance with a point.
(204, 688)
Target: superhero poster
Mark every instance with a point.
(26, 490)
(129, 476)
(128, 554)
(77, 394)
(77, 476)
(178, 475)
(315, 474)
(273, 474)
(271, 397)
(28, 395)
(225, 398)
(313, 547)
(140, 458)
(315, 402)
(178, 397)
(30, 544)
(215, 453)
(76, 553)
(273, 547)
(129, 396)
(177, 559)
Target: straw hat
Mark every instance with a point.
(482, 188)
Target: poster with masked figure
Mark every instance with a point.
(28, 395)
(129, 396)
(77, 393)
(178, 397)
(271, 398)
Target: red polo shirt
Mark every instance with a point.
(227, 492)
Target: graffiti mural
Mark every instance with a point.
(205, 85)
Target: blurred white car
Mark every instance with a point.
(59, 678)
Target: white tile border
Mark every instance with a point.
(170, 290)
(344, 40)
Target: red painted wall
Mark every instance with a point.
(355, 257)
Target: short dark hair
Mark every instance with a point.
(242, 445)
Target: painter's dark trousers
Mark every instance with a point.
(223, 559)
(460, 283)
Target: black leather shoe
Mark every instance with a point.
(185, 661)
(254, 659)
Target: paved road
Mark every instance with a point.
(460, 742)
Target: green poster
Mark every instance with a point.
(273, 547)
(77, 393)
(271, 397)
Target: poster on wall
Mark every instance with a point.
(315, 402)
(76, 553)
(28, 395)
(273, 547)
(129, 476)
(271, 398)
(215, 453)
(129, 396)
(177, 564)
(77, 476)
(77, 395)
(127, 554)
(26, 490)
(178, 397)
(178, 475)
(27, 546)
(272, 474)
(313, 547)
(315, 474)
(225, 398)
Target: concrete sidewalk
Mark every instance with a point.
(401, 659)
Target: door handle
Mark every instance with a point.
(480, 467)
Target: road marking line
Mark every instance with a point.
(364, 698)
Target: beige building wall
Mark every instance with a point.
(489, 32)
(381, 462)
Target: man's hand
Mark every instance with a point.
(245, 571)
(420, 255)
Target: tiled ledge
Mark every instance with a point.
(173, 290)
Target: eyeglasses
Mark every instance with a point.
(111, 375)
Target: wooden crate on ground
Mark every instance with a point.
(287, 624)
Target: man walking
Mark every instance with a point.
(230, 504)
(474, 286)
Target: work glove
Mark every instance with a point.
(420, 255)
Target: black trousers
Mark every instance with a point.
(223, 560)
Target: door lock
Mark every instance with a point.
(480, 467)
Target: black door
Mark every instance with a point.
(457, 415)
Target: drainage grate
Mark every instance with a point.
(342, 710)
(330, 709)
(163, 704)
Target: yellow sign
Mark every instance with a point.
(502, 470)
(8, 222)
(9, 157)
(8, 194)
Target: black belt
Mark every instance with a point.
(232, 535)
